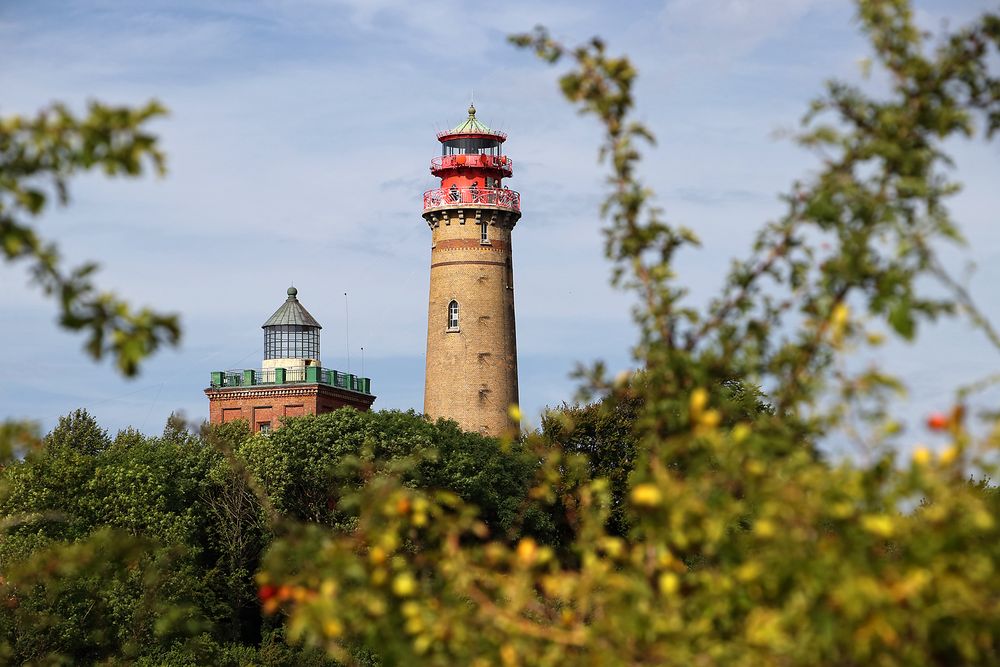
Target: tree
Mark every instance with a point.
(240, 528)
(97, 599)
(38, 156)
(310, 466)
(78, 431)
(104, 549)
(134, 549)
(743, 546)
(603, 435)
(190, 516)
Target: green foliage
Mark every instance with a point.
(191, 516)
(310, 467)
(66, 603)
(603, 434)
(78, 431)
(38, 156)
(735, 543)
(65, 504)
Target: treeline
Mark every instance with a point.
(144, 549)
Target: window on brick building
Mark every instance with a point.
(453, 316)
(484, 238)
(264, 427)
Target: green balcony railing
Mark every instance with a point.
(280, 376)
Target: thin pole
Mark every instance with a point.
(347, 331)
(362, 361)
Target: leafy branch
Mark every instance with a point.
(38, 156)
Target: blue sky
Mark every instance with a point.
(299, 140)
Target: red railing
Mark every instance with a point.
(500, 198)
(473, 160)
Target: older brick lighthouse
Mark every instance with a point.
(292, 382)
(471, 347)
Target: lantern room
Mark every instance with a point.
(472, 167)
(291, 336)
(471, 146)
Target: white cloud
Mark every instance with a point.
(728, 29)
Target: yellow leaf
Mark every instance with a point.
(699, 399)
(333, 628)
(668, 582)
(840, 315)
(878, 524)
(921, 456)
(710, 419)
(948, 456)
(764, 528)
(748, 571)
(646, 495)
(508, 654)
(404, 585)
(527, 550)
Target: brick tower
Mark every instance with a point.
(291, 382)
(471, 348)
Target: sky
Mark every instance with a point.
(299, 138)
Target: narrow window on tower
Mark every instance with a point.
(453, 316)
(484, 238)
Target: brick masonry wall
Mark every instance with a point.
(471, 374)
(270, 404)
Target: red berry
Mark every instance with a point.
(937, 422)
(266, 592)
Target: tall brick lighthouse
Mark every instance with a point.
(471, 347)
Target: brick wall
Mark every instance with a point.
(471, 373)
(258, 405)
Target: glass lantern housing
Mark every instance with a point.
(291, 341)
(291, 333)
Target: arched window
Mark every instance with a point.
(453, 316)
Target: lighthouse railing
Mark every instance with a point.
(282, 376)
(500, 198)
(473, 160)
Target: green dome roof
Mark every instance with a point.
(292, 312)
(471, 125)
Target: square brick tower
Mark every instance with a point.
(291, 382)
(471, 345)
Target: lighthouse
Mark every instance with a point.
(291, 381)
(471, 373)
